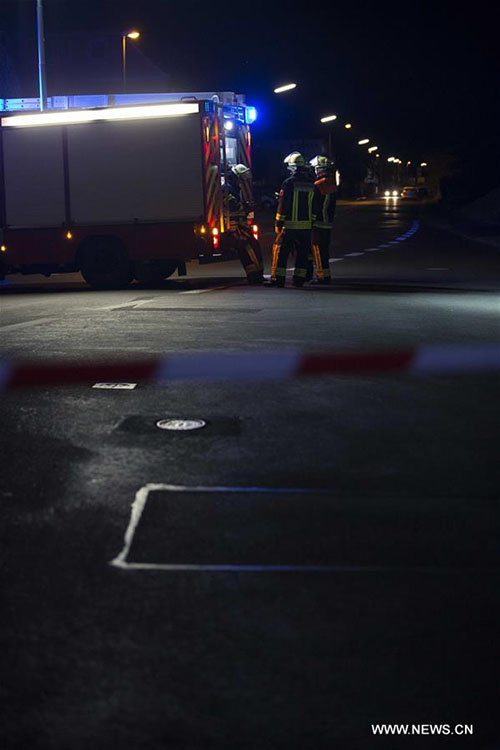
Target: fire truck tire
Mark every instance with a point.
(154, 271)
(104, 263)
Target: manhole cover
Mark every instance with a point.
(181, 425)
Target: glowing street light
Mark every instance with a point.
(128, 35)
(363, 142)
(372, 148)
(348, 126)
(286, 87)
(329, 118)
(424, 164)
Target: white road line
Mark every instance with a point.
(437, 269)
(371, 249)
(335, 260)
(211, 289)
(27, 323)
(127, 305)
(352, 255)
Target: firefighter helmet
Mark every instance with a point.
(294, 160)
(320, 161)
(240, 170)
(322, 164)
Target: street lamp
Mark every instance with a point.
(363, 142)
(286, 87)
(128, 35)
(423, 164)
(372, 148)
(329, 118)
(348, 126)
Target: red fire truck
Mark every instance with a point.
(131, 190)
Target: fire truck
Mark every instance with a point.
(119, 187)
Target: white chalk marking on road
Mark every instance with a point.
(27, 323)
(141, 497)
(115, 386)
(120, 561)
(352, 255)
(229, 568)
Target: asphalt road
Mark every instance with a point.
(376, 496)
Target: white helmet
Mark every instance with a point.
(294, 160)
(240, 170)
(321, 164)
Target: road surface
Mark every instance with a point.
(374, 496)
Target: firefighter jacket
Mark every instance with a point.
(296, 202)
(325, 202)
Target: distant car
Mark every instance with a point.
(414, 192)
(391, 193)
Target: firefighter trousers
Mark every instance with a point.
(320, 241)
(250, 255)
(286, 241)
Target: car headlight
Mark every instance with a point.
(387, 194)
(395, 193)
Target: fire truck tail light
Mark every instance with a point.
(215, 237)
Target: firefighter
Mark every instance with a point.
(239, 197)
(325, 202)
(294, 218)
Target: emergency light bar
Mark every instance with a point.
(111, 113)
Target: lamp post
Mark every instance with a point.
(128, 35)
(329, 118)
(42, 79)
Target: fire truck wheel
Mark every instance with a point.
(104, 263)
(152, 272)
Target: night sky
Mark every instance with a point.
(415, 77)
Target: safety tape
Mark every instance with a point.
(250, 366)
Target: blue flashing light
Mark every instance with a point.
(251, 114)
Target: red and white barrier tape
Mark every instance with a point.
(424, 360)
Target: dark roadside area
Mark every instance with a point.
(478, 220)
